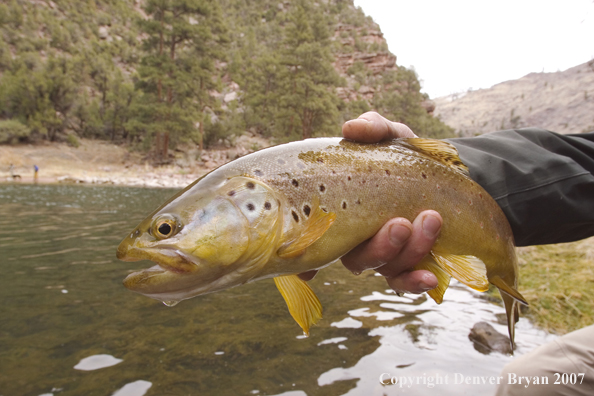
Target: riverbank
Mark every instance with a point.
(100, 162)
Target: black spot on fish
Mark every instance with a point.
(387, 172)
(258, 172)
(358, 202)
(231, 193)
(324, 209)
(348, 178)
(267, 205)
(250, 185)
(250, 206)
(295, 183)
(306, 210)
(322, 188)
(320, 160)
(424, 175)
(295, 216)
(344, 205)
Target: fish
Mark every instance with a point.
(301, 206)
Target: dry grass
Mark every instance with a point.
(558, 281)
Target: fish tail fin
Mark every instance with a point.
(511, 291)
(511, 297)
(512, 313)
(443, 278)
(304, 306)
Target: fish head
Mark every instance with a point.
(206, 239)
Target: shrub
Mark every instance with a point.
(13, 132)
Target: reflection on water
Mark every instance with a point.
(63, 305)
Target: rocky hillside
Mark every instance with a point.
(562, 102)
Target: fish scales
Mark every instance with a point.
(355, 175)
(300, 206)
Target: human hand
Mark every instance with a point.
(399, 245)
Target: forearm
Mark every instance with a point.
(543, 181)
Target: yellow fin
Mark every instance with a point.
(315, 226)
(302, 302)
(512, 313)
(443, 279)
(469, 270)
(509, 290)
(440, 150)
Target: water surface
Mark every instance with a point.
(69, 327)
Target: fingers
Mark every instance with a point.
(426, 228)
(380, 249)
(372, 127)
(413, 282)
(396, 248)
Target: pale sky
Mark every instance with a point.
(455, 45)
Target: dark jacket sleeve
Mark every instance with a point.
(543, 181)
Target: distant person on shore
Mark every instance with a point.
(36, 169)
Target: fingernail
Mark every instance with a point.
(431, 226)
(398, 234)
(425, 287)
(424, 284)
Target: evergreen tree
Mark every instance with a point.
(182, 36)
(401, 102)
(307, 101)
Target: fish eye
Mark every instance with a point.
(165, 227)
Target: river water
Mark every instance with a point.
(69, 327)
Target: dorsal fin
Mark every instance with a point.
(440, 150)
(315, 226)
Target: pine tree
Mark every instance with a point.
(306, 95)
(183, 39)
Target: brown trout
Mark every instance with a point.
(302, 205)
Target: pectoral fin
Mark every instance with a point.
(443, 279)
(302, 302)
(315, 226)
(469, 270)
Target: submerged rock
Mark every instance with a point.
(486, 339)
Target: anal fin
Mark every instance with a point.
(304, 306)
(443, 278)
(469, 270)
